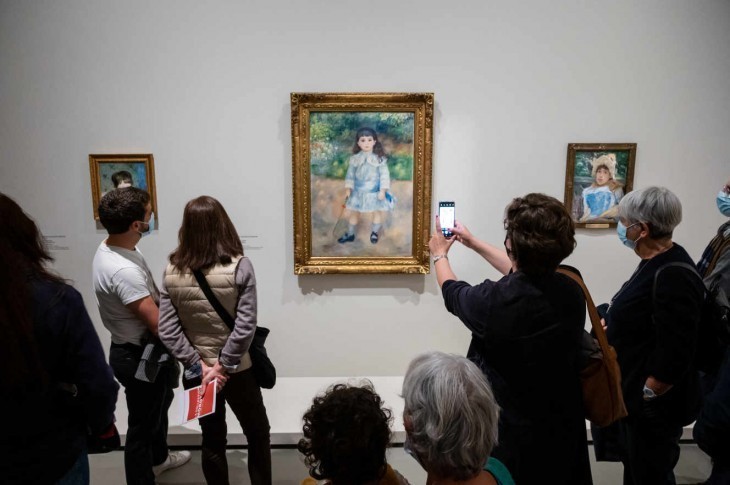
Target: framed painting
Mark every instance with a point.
(362, 182)
(597, 176)
(109, 172)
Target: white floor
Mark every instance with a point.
(288, 468)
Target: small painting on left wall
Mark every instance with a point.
(110, 172)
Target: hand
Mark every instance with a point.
(660, 388)
(438, 244)
(463, 235)
(381, 195)
(218, 372)
(347, 193)
(603, 324)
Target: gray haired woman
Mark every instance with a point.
(450, 418)
(652, 322)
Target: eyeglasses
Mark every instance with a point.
(509, 251)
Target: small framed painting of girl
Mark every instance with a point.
(362, 182)
(598, 175)
(111, 172)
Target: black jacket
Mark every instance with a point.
(526, 336)
(658, 337)
(44, 427)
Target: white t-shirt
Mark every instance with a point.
(121, 277)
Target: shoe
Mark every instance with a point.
(174, 459)
(374, 237)
(346, 238)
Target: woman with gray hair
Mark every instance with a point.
(652, 323)
(450, 417)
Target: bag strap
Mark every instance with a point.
(691, 268)
(598, 330)
(222, 313)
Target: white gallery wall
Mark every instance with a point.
(204, 86)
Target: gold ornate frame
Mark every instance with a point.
(95, 163)
(421, 105)
(574, 148)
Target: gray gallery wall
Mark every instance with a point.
(204, 86)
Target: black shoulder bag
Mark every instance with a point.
(263, 370)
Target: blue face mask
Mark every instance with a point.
(621, 231)
(150, 226)
(723, 203)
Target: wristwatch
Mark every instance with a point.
(649, 393)
(439, 256)
(228, 368)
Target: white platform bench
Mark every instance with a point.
(285, 405)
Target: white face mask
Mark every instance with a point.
(150, 226)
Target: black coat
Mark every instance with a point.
(658, 336)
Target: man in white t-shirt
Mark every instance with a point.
(128, 303)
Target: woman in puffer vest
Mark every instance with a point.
(194, 333)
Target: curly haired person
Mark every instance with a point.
(346, 434)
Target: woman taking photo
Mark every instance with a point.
(55, 383)
(194, 333)
(652, 324)
(526, 336)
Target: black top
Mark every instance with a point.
(45, 427)
(526, 336)
(658, 338)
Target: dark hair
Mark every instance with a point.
(121, 176)
(119, 208)
(541, 233)
(22, 257)
(206, 237)
(346, 434)
(377, 148)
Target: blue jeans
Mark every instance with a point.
(79, 472)
(147, 405)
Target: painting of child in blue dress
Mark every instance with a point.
(600, 199)
(367, 183)
(361, 184)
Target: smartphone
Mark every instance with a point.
(447, 217)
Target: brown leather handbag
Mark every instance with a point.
(603, 400)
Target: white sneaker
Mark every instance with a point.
(174, 459)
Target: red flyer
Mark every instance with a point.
(196, 406)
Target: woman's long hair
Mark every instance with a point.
(207, 236)
(22, 258)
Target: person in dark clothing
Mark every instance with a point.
(55, 385)
(526, 336)
(652, 324)
(712, 428)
